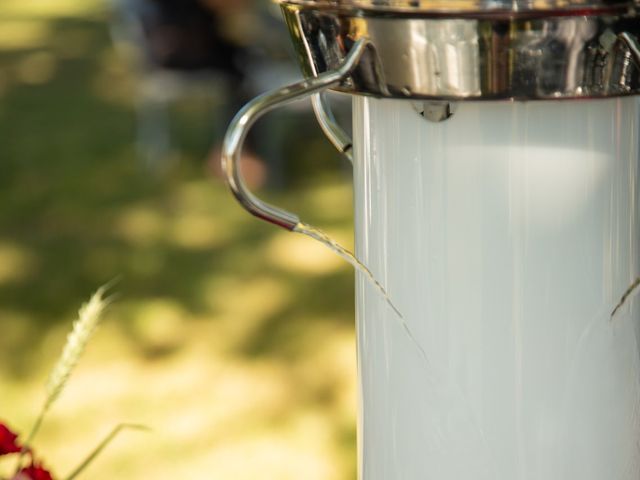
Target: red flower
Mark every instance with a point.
(8, 443)
(34, 472)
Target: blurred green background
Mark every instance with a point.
(231, 339)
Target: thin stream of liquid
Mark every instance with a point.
(626, 295)
(345, 254)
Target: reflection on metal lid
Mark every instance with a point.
(468, 6)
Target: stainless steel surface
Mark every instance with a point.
(465, 6)
(334, 132)
(252, 111)
(632, 45)
(571, 54)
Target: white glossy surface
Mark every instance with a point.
(506, 236)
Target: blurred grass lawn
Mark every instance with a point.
(232, 340)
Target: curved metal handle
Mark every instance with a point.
(252, 111)
(333, 131)
(632, 44)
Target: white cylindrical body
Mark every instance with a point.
(506, 236)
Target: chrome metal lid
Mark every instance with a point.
(445, 51)
(469, 6)
(473, 49)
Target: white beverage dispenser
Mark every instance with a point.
(495, 154)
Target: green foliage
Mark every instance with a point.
(223, 319)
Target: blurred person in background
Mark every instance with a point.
(223, 45)
(187, 34)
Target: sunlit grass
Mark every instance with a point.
(232, 340)
(23, 34)
(16, 263)
(50, 10)
(205, 409)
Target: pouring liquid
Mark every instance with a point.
(360, 267)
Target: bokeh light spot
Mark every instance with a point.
(140, 226)
(16, 263)
(198, 231)
(36, 68)
(159, 324)
(23, 34)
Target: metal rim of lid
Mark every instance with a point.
(471, 7)
(413, 56)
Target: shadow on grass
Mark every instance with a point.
(76, 208)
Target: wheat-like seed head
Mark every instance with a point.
(89, 317)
